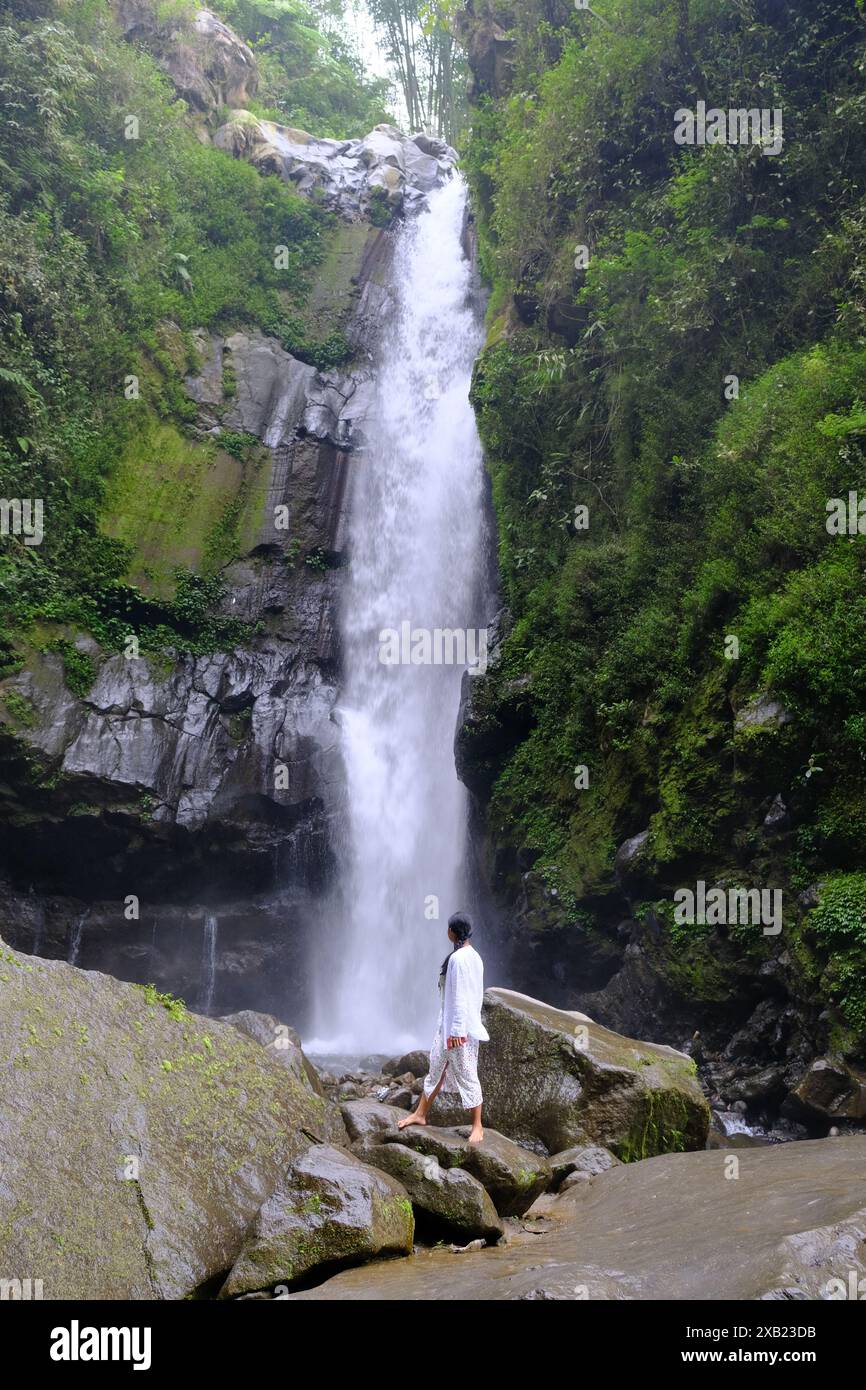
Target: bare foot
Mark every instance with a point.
(413, 1119)
(476, 1134)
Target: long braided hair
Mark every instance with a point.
(461, 926)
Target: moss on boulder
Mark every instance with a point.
(137, 1140)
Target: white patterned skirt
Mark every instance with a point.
(460, 1065)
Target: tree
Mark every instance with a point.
(418, 41)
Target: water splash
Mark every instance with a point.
(415, 556)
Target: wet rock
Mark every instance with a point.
(417, 1063)
(401, 1097)
(449, 1198)
(670, 1228)
(765, 1084)
(283, 1046)
(512, 1175)
(495, 714)
(777, 818)
(281, 1041)
(559, 1078)
(330, 1208)
(368, 1121)
(630, 855)
(173, 1130)
(271, 388)
(585, 1160)
(830, 1090)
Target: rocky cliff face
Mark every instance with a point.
(170, 792)
(763, 1014)
(209, 65)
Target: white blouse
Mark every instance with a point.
(464, 995)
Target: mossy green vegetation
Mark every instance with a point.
(111, 250)
(698, 387)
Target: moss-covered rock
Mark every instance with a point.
(330, 1209)
(556, 1077)
(512, 1175)
(137, 1140)
(453, 1202)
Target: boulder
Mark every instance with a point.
(831, 1090)
(401, 1097)
(282, 1042)
(513, 1176)
(673, 1228)
(451, 1200)
(329, 1209)
(368, 1121)
(629, 860)
(385, 167)
(559, 1078)
(208, 63)
(283, 1046)
(417, 1063)
(138, 1140)
(761, 713)
(584, 1160)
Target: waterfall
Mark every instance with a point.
(208, 964)
(73, 948)
(415, 562)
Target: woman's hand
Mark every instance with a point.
(455, 1042)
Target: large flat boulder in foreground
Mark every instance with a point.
(556, 1077)
(137, 1140)
(789, 1226)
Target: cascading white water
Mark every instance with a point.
(415, 558)
(73, 946)
(208, 964)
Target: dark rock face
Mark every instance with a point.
(830, 1090)
(489, 730)
(209, 65)
(482, 28)
(213, 784)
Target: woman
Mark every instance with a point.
(454, 1054)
